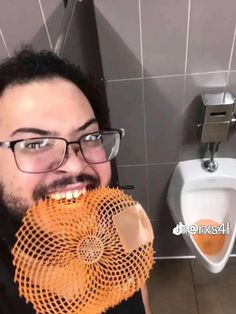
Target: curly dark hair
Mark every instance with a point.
(27, 65)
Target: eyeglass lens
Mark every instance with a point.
(41, 154)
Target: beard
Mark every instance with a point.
(11, 213)
(13, 207)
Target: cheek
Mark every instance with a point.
(8, 170)
(104, 173)
(16, 182)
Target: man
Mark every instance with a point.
(50, 121)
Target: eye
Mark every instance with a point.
(36, 144)
(91, 141)
(92, 138)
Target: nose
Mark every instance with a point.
(74, 161)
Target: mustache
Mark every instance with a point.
(92, 182)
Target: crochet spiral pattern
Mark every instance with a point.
(83, 255)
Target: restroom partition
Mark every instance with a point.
(77, 41)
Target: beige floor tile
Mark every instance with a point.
(216, 299)
(171, 288)
(201, 276)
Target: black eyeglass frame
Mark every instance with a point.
(11, 145)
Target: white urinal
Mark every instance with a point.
(195, 194)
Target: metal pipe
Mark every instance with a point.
(210, 165)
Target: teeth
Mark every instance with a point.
(76, 194)
(68, 195)
(57, 196)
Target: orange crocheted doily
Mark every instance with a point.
(83, 255)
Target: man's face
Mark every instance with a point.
(50, 107)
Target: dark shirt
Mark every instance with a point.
(11, 303)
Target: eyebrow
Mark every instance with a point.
(51, 133)
(87, 124)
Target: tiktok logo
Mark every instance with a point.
(178, 229)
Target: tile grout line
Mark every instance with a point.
(166, 76)
(230, 58)
(143, 78)
(206, 73)
(144, 107)
(150, 164)
(185, 78)
(135, 165)
(4, 42)
(194, 288)
(67, 31)
(45, 24)
(145, 147)
(144, 122)
(162, 76)
(187, 38)
(140, 37)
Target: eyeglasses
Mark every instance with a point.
(45, 154)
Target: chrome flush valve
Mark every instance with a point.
(217, 117)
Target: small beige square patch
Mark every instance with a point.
(133, 227)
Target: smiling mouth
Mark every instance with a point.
(68, 192)
(67, 188)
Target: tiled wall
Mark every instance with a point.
(158, 56)
(40, 22)
(29, 21)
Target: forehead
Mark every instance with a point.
(54, 104)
